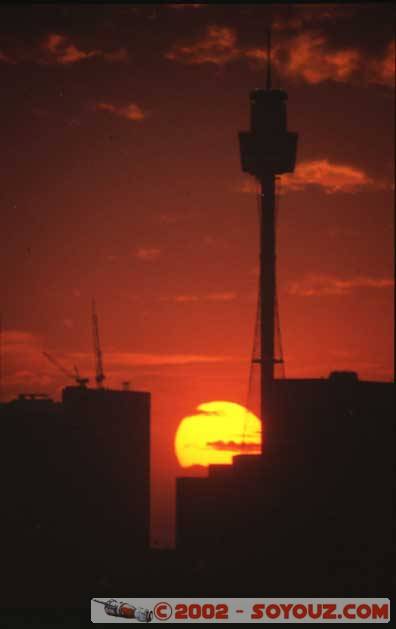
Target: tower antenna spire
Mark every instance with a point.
(269, 77)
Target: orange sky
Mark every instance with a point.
(121, 180)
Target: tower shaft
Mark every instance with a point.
(268, 149)
(267, 296)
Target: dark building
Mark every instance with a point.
(313, 514)
(75, 485)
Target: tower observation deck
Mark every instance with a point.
(267, 150)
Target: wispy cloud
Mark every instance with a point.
(59, 49)
(226, 296)
(188, 298)
(25, 346)
(330, 176)
(19, 341)
(318, 285)
(217, 45)
(26, 369)
(129, 112)
(306, 55)
(132, 359)
(148, 254)
(311, 59)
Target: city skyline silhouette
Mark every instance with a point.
(124, 184)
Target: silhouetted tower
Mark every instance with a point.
(1, 357)
(99, 377)
(267, 150)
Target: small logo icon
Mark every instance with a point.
(125, 610)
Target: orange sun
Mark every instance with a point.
(218, 432)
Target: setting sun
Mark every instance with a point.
(216, 433)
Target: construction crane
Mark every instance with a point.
(97, 350)
(82, 382)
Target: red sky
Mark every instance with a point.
(121, 180)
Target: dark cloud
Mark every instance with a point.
(233, 446)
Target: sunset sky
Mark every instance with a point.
(121, 181)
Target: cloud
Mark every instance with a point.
(233, 446)
(26, 369)
(19, 341)
(311, 59)
(249, 185)
(217, 45)
(321, 285)
(59, 49)
(129, 112)
(307, 55)
(222, 296)
(226, 296)
(132, 359)
(331, 177)
(256, 54)
(148, 254)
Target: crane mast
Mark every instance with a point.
(99, 377)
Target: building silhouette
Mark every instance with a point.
(75, 485)
(314, 516)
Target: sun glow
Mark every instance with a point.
(218, 432)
